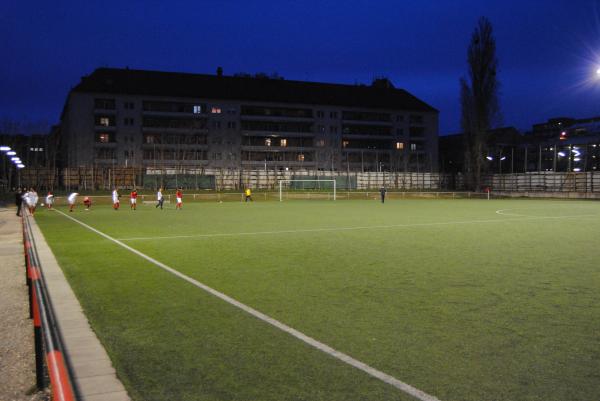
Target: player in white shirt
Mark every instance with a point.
(49, 200)
(159, 198)
(71, 200)
(115, 199)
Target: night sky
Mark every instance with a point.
(548, 51)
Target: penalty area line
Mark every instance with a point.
(384, 377)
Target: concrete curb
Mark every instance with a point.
(95, 377)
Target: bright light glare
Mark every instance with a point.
(20, 165)
(598, 72)
(561, 154)
(4, 148)
(489, 157)
(11, 153)
(15, 159)
(577, 169)
(503, 158)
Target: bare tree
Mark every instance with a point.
(479, 98)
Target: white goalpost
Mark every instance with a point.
(316, 184)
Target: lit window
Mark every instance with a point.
(320, 143)
(103, 138)
(345, 144)
(215, 110)
(197, 109)
(104, 121)
(300, 157)
(413, 146)
(400, 145)
(268, 142)
(283, 143)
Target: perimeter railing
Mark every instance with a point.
(49, 349)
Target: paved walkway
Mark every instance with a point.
(95, 377)
(17, 361)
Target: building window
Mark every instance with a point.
(104, 121)
(399, 131)
(128, 105)
(320, 114)
(399, 118)
(333, 114)
(400, 145)
(268, 142)
(128, 121)
(197, 109)
(104, 104)
(215, 110)
(345, 144)
(301, 157)
(231, 125)
(36, 149)
(283, 143)
(320, 143)
(103, 138)
(415, 119)
(232, 111)
(216, 124)
(321, 128)
(413, 146)
(217, 156)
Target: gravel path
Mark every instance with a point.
(17, 363)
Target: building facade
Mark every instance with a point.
(123, 117)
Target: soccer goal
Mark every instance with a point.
(297, 189)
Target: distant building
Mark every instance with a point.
(560, 144)
(122, 117)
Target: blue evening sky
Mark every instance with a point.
(548, 51)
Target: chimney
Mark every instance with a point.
(219, 71)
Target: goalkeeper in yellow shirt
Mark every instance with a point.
(248, 195)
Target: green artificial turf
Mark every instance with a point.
(446, 295)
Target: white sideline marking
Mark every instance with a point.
(312, 230)
(407, 388)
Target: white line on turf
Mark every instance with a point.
(380, 227)
(407, 388)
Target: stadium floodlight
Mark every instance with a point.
(561, 154)
(311, 184)
(490, 158)
(20, 165)
(4, 148)
(577, 169)
(11, 153)
(15, 158)
(503, 158)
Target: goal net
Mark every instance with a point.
(307, 189)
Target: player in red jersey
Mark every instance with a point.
(179, 196)
(133, 197)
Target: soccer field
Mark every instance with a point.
(461, 299)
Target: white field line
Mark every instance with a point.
(407, 388)
(379, 227)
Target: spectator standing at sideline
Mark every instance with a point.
(382, 192)
(19, 200)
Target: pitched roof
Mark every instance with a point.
(157, 83)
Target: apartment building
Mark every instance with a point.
(151, 119)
